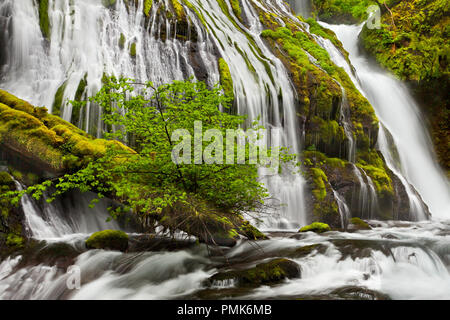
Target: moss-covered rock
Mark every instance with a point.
(147, 7)
(133, 49)
(46, 140)
(316, 227)
(225, 78)
(358, 224)
(265, 273)
(108, 239)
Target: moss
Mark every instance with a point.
(108, 239)
(14, 240)
(225, 78)
(316, 28)
(122, 41)
(235, 5)
(251, 232)
(6, 185)
(44, 20)
(319, 179)
(133, 50)
(147, 7)
(360, 224)
(58, 102)
(5, 179)
(265, 273)
(380, 178)
(316, 227)
(109, 3)
(46, 138)
(179, 10)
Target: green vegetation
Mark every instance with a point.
(133, 50)
(122, 41)
(147, 7)
(51, 142)
(179, 195)
(179, 10)
(225, 79)
(360, 224)
(6, 185)
(342, 11)
(236, 8)
(44, 20)
(109, 3)
(14, 240)
(58, 102)
(108, 239)
(316, 227)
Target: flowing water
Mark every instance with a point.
(400, 115)
(399, 260)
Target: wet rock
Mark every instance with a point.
(359, 293)
(265, 273)
(359, 248)
(139, 243)
(307, 250)
(389, 236)
(59, 254)
(109, 240)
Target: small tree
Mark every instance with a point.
(146, 180)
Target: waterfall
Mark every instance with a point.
(399, 114)
(64, 217)
(257, 92)
(301, 7)
(88, 40)
(344, 211)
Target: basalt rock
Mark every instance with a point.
(265, 273)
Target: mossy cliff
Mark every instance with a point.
(413, 43)
(58, 147)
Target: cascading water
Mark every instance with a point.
(301, 7)
(257, 95)
(65, 217)
(400, 115)
(84, 45)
